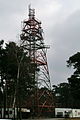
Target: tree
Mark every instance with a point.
(14, 69)
(62, 95)
(74, 80)
(1, 78)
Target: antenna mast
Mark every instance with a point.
(33, 43)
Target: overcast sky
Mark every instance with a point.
(61, 24)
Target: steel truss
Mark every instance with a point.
(33, 42)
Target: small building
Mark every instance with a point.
(14, 112)
(67, 112)
(62, 112)
(76, 113)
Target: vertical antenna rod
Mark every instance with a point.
(31, 12)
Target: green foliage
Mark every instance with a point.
(62, 95)
(74, 61)
(1, 80)
(15, 72)
(74, 80)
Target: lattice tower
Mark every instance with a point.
(33, 43)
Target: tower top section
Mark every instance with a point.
(31, 13)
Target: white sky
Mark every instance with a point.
(61, 24)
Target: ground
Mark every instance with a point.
(72, 119)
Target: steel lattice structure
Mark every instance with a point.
(33, 42)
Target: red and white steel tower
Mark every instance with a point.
(33, 42)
